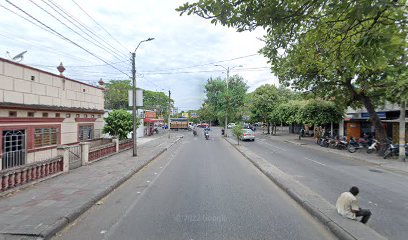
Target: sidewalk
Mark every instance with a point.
(392, 164)
(40, 211)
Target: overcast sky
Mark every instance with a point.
(180, 59)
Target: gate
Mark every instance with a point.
(14, 152)
(75, 159)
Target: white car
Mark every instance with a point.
(231, 125)
(247, 134)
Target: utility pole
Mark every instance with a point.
(134, 97)
(227, 69)
(169, 114)
(134, 103)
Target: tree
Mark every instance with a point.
(237, 132)
(222, 100)
(119, 123)
(313, 112)
(349, 50)
(264, 101)
(116, 94)
(156, 100)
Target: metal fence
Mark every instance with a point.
(75, 159)
(14, 152)
(13, 159)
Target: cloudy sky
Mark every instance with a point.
(94, 38)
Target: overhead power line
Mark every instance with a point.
(79, 66)
(205, 71)
(76, 32)
(100, 26)
(201, 65)
(27, 19)
(60, 9)
(65, 38)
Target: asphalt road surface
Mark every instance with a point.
(199, 189)
(384, 192)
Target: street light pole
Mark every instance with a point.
(168, 119)
(134, 96)
(227, 69)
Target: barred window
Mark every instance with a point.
(45, 137)
(86, 133)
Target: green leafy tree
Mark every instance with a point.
(119, 123)
(237, 131)
(116, 94)
(349, 50)
(226, 101)
(312, 112)
(264, 101)
(158, 101)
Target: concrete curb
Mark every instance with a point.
(317, 206)
(65, 220)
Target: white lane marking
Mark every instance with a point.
(155, 173)
(138, 192)
(315, 161)
(147, 181)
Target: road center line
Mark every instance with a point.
(315, 161)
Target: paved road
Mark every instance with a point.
(198, 190)
(384, 192)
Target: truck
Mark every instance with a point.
(179, 123)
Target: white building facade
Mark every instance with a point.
(40, 110)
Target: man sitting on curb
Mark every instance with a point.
(347, 206)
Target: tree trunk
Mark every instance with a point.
(381, 135)
(269, 125)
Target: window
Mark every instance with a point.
(68, 115)
(77, 116)
(45, 137)
(45, 114)
(86, 133)
(92, 116)
(12, 114)
(30, 114)
(85, 115)
(32, 78)
(57, 115)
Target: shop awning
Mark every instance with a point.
(151, 120)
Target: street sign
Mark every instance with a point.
(139, 98)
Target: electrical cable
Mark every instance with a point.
(65, 38)
(205, 71)
(81, 35)
(205, 64)
(83, 26)
(100, 26)
(80, 66)
(27, 19)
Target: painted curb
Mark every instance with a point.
(342, 228)
(65, 220)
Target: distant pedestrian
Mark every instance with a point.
(347, 206)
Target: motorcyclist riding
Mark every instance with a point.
(206, 133)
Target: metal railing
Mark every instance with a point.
(74, 157)
(13, 159)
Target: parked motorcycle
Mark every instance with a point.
(342, 144)
(374, 147)
(393, 150)
(353, 145)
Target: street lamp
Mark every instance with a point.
(134, 96)
(227, 69)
